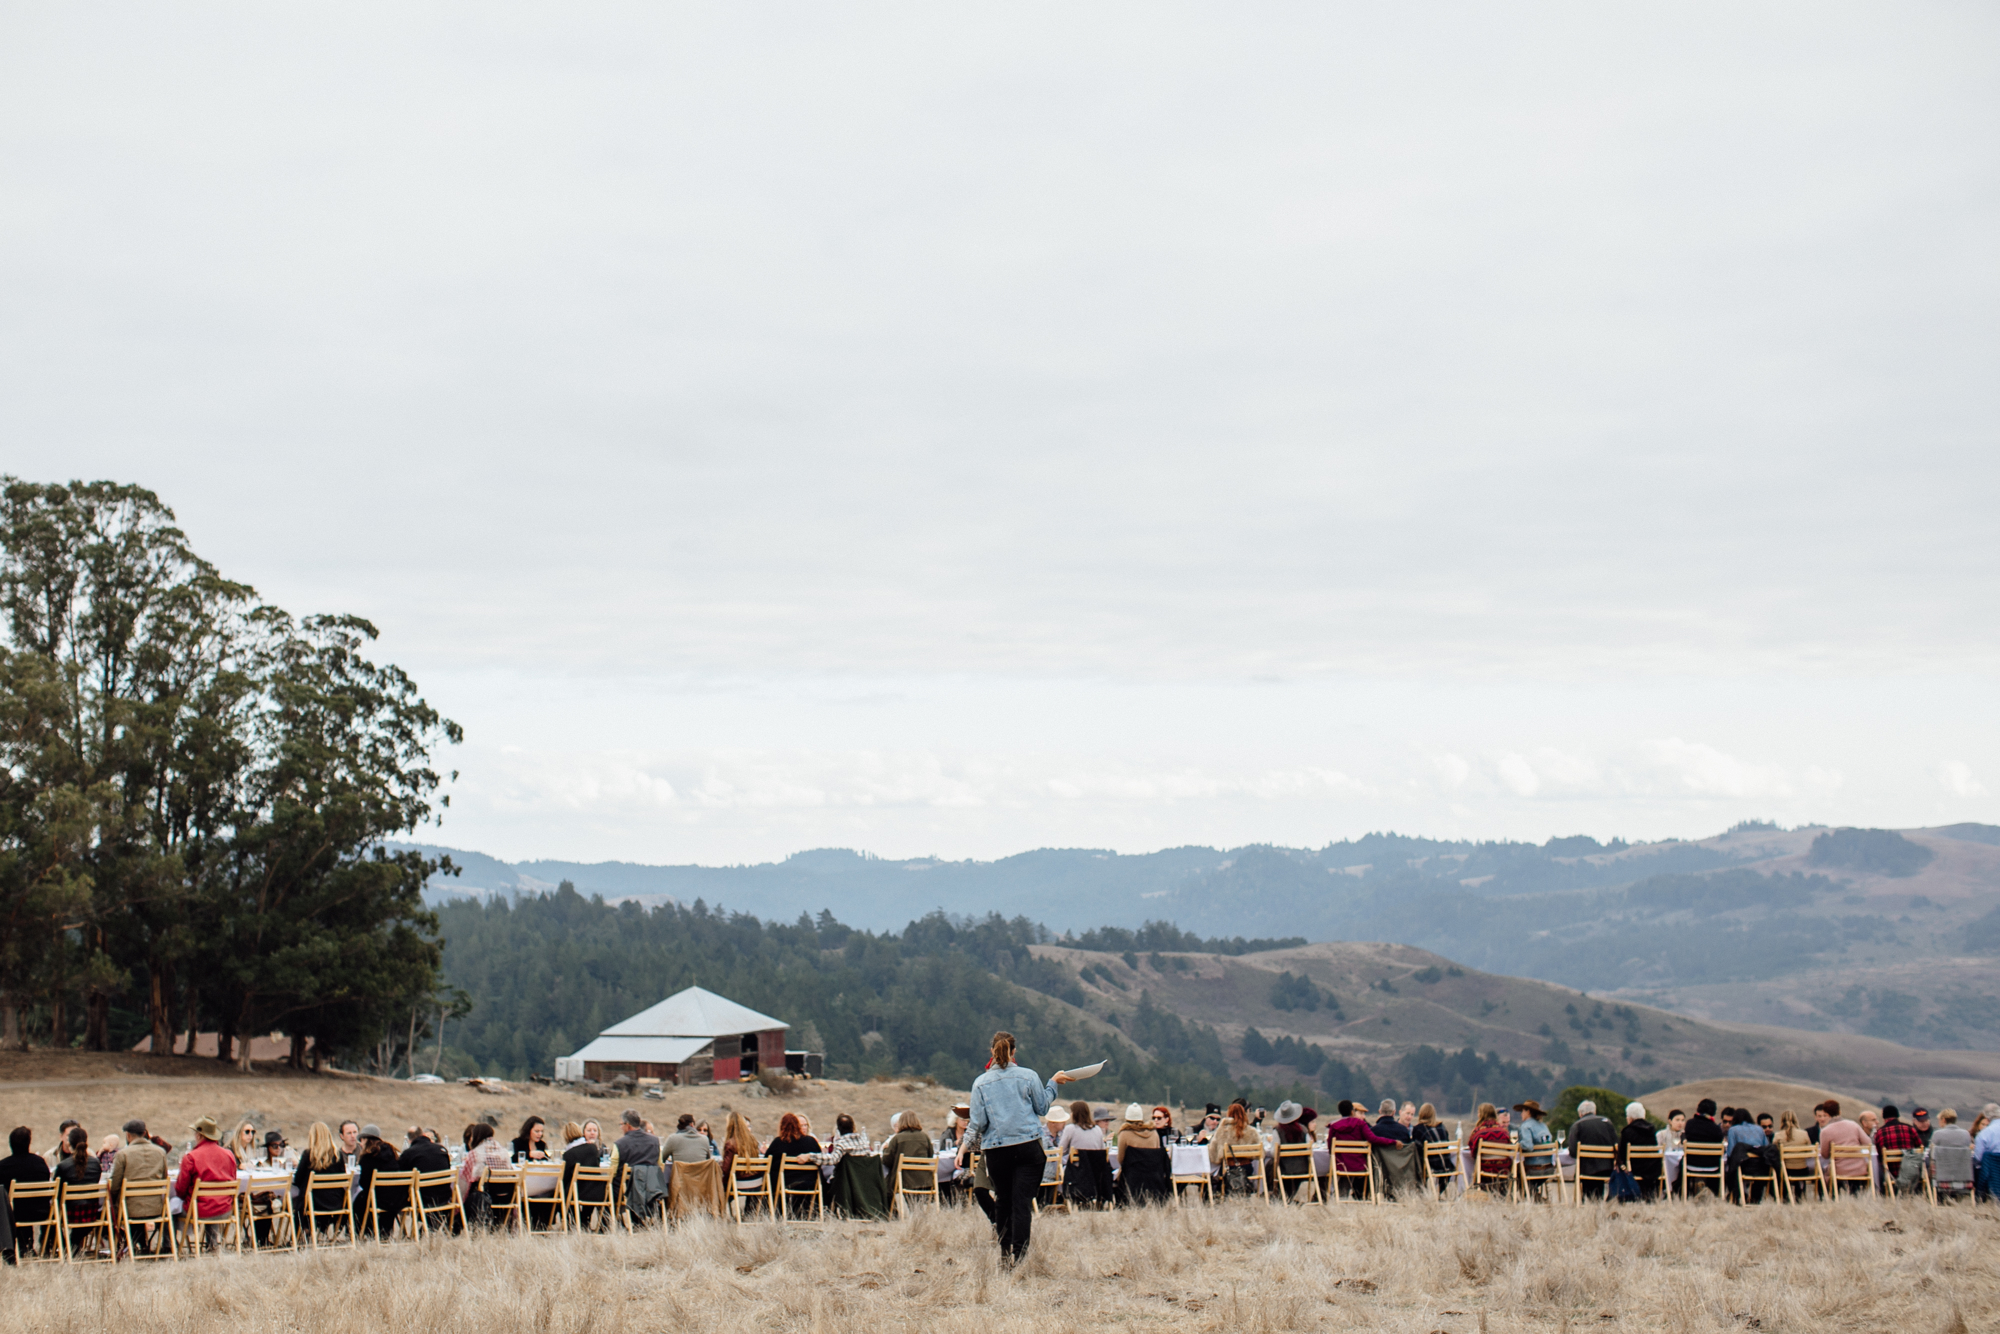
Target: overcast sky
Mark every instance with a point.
(938, 431)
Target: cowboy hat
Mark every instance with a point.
(1058, 1114)
(205, 1127)
(1288, 1112)
(1530, 1106)
(961, 1109)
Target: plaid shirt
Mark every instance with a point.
(1898, 1135)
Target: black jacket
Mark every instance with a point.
(1639, 1134)
(326, 1201)
(1593, 1130)
(367, 1163)
(1390, 1128)
(425, 1156)
(583, 1155)
(1702, 1139)
(26, 1168)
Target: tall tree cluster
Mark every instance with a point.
(194, 791)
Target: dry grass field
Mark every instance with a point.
(1246, 1266)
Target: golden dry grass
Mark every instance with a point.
(1411, 1268)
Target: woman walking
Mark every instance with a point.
(1008, 1104)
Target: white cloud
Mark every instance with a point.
(1699, 768)
(1518, 775)
(1958, 779)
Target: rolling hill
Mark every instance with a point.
(1875, 933)
(1374, 1005)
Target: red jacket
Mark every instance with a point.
(207, 1161)
(1354, 1128)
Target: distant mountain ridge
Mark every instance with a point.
(1880, 932)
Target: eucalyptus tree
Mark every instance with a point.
(194, 788)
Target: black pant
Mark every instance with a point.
(1016, 1170)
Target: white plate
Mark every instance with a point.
(1084, 1071)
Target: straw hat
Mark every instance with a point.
(1530, 1106)
(1058, 1115)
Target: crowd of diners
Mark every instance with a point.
(1014, 1145)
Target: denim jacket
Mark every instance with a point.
(1008, 1104)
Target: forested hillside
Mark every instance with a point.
(1873, 931)
(546, 972)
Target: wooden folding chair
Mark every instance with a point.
(1590, 1156)
(86, 1213)
(1493, 1163)
(1648, 1153)
(194, 1226)
(1703, 1164)
(1847, 1153)
(1203, 1181)
(591, 1188)
(1536, 1167)
(925, 1170)
(318, 1220)
(1892, 1169)
(1765, 1176)
(1444, 1164)
(787, 1192)
(1799, 1171)
(277, 1194)
(41, 1197)
(1051, 1186)
(749, 1179)
(503, 1195)
(442, 1186)
(555, 1221)
(1252, 1157)
(159, 1225)
(1305, 1183)
(406, 1217)
(1335, 1173)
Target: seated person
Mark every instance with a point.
(1703, 1142)
(138, 1162)
(376, 1155)
(1639, 1133)
(685, 1145)
(1082, 1182)
(1850, 1171)
(30, 1168)
(1389, 1125)
(322, 1157)
(1295, 1123)
(794, 1142)
(910, 1142)
(1488, 1128)
(1211, 1121)
(1590, 1130)
(423, 1154)
(846, 1140)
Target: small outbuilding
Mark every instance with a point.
(691, 1037)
